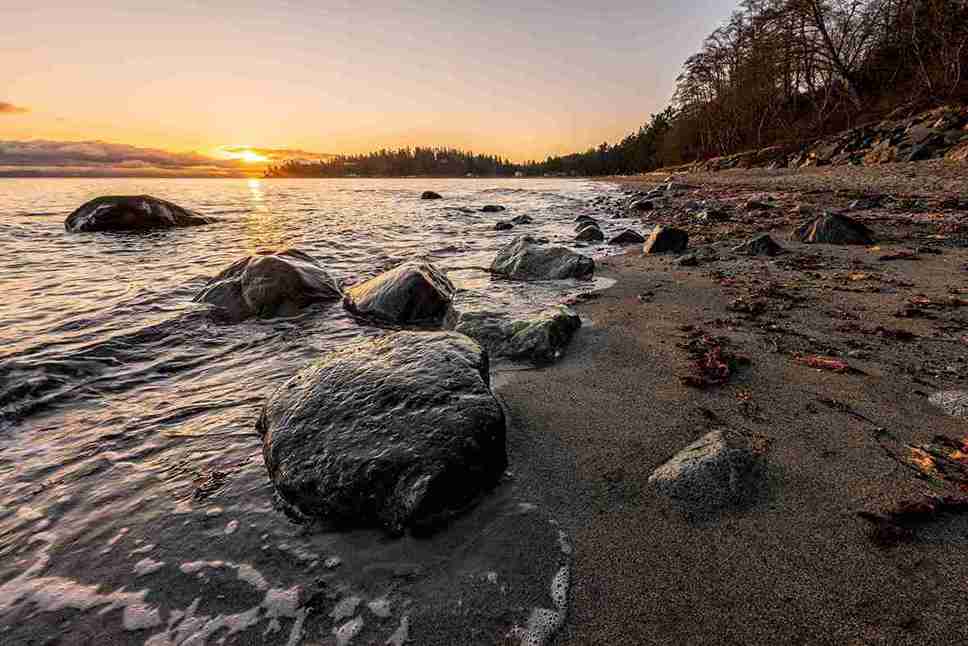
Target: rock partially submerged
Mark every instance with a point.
(522, 219)
(398, 432)
(524, 259)
(414, 293)
(503, 225)
(642, 205)
(666, 239)
(269, 284)
(722, 468)
(627, 237)
(834, 228)
(540, 339)
(430, 195)
(492, 208)
(761, 245)
(131, 213)
(590, 233)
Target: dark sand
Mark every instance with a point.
(798, 566)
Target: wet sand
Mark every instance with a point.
(799, 565)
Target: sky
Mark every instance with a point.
(214, 87)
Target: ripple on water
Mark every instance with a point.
(126, 415)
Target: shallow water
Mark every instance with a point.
(134, 505)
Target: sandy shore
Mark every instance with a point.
(799, 565)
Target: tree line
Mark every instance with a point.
(787, 71)
(777, 72)
(402, 162)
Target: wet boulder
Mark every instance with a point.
(590, 233)
(492, 208)
(398, 432)
(269, 284)
(586, 223)
(761, 245)
(430, 195)
(131, 213)
(539, 339)
(834, 228)
(524, 259)
(627, 237)
(666, 239)
(414, 293)
(722, 468)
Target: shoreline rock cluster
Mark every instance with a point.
(941, 133)
(402, 431)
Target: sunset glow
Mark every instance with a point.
(328, 79)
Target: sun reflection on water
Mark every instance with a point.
(263, 229)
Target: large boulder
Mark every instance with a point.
(414, 293)
(397, 432)
(524, 259)
(131, 213)
(539, 339)
(430, 195)
(834, 228)
(721, 468)
(665, 239)
(269, 284)
(761, 245)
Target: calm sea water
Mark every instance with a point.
(131, 478)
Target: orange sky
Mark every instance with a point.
(195, 76)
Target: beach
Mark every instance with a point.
(796, 565)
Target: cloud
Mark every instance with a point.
(10, 108)
(99, 158)
(103, 159)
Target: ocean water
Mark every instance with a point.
(134, 505)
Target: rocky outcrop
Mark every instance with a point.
(539, 339)
(397, 432)
(269, 284)
(834, 228)
(627, 237)
(131, 213)
(761, 245)
(414, 293)
(938, 133)
(666, 239)
(720, 469)
(524, 259)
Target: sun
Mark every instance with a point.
(251, 157)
